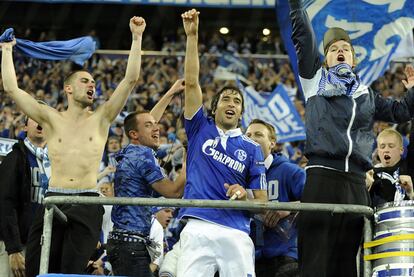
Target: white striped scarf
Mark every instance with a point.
(41, 155)
(338, 80)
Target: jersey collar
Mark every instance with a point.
(268, 161)
(230, 133)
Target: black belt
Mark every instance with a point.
(128, 237)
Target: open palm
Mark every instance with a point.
(409, 73)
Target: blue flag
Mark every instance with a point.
(275, 108)
(380, 30)
(231, 67)
(77, 50)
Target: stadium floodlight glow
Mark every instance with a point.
(266, 32)
(224, 30)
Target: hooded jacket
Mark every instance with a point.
(339, 129)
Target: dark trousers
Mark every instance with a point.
(73, 243)
(328, 243)
(280, 266)
(129, 258)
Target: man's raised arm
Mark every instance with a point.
(193, 96)
(159, 109)
(117, 101)
(23, 100)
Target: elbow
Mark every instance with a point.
(132, 81)
(191, 83)
(191, 79)
(9, 88)
(177, 194)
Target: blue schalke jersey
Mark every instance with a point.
(136, 171)
(215, 158)
(285, 184)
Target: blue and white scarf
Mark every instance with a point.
(395, 180)
(338, 80)
(42, 157)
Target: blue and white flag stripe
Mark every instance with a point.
(380, 30)
(275, 108)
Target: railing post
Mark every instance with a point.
(46, 240)
(367, 251)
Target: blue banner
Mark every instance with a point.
(6, 146)
(231, 67)
(275, 108)
(380, 30)
(189, 3)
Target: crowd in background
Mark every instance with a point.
(44, 80)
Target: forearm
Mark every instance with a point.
(304, 40)
(394, 111)
(260, 195)
(101, 175)
(134, 60)
(8, 73)
(10, 229)
(118, 99)
(192, 92)
(192, 64)
(159, 109)
(180, 183)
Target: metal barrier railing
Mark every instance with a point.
(51, 209)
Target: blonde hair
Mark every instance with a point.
(391, 132)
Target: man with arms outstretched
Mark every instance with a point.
(76, 139)
(222, 164)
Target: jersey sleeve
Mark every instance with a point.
(257, 171)
(149, 168)
(297, 183)
(193, 125)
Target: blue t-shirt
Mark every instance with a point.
(285, 184)
(136, 171)
(215, 158)
(39, 182)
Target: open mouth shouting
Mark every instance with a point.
(156, 136)
(387, 158)
(340, 58)
(230, 113)
(90, 94)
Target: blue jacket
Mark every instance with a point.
(136, 171)
(339, 129)
(285, 184)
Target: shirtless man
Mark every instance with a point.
(76, 139)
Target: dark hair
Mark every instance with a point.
(131, 121)
(270, 127)
(216, 98)
(69, 78)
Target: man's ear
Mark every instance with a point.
(272, 145)
(68, 89)
(133, 134)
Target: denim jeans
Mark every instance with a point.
(129, 258)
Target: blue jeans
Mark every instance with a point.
(129, 258)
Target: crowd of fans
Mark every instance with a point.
(44, 80)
